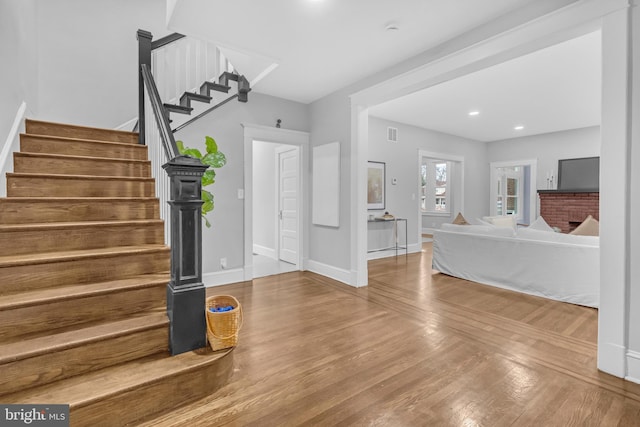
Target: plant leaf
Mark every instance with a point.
(180, 145)
(212, 147)
(215, 160)
(208, 178)
(193, 152)
(207, 207)
(206, 222)
(207, 196)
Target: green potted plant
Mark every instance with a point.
(214, 159)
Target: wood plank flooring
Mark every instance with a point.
(411, 349)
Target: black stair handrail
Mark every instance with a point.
(145, 46)
(205, 112)
(166, 135)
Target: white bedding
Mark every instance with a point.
(563, 271)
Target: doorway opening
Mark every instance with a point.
(513, 190)
(441, 180)
(275, 200)
(275, 215)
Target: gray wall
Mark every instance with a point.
(547, 149)
(401, 160)
(18, 51)
(88, 56)
(225, 238)
(331, 122)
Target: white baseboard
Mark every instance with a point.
(334, 273)
(11, 145)
(223, 277)
(612, 359)
(633, 367)
(428, 230)
(265, 251)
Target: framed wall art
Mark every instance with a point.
(375, 185)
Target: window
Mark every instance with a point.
(435, 186)
(509, 191)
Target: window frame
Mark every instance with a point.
(428, 167)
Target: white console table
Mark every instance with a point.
(394, 229)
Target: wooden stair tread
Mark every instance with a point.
(60, 293)
(48, 257)
(26, 348)
(41, 125)
(78, 177)
(90, 199)
(71, 157)
(47, 226)
(84, 389)
(92, 141)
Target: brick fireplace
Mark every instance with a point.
(566, 210)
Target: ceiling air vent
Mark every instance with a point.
(392, 134)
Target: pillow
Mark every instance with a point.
(482, 222)
(460, 220)
(589, 227)
(544, 236)
(502, 221)
(540, 224)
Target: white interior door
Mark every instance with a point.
(288, 176)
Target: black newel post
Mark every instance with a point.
(186, 292)
(144, 57)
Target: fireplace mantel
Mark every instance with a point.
(567, 191)
(566, 209)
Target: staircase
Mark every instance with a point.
(83, 276)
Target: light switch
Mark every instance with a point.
(394, 181)
(240, 193)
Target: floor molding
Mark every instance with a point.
(223, 277)
(633, 366)
(334, 273)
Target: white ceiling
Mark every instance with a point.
(321, 46)
(312, 48)
(553, 89)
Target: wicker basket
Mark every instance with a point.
(223, 327)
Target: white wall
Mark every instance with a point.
(547, 148)
(264, 198)
(402, 159)
(633, 356)
(225, 238)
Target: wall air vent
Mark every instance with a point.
(392, 134)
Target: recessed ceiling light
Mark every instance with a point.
(474, 113)
(519, 127)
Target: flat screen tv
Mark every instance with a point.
(579, 174)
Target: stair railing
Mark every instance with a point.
(180, 196)
(185, 290)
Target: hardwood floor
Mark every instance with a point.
(411, 349)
